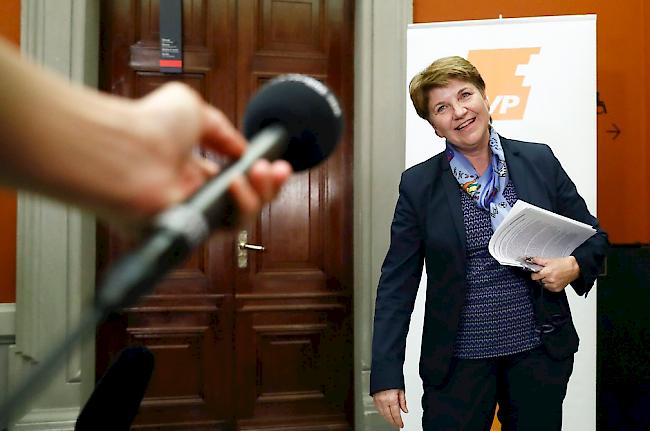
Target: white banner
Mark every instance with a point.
(540, 75)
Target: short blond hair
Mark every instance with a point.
(438, 74)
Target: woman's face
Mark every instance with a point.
(461, 114)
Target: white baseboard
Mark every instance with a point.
(48, 419)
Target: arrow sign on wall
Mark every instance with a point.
(616, 131)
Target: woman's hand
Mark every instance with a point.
(556, 273)
(389, 403)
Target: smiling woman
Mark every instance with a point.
(482, 337)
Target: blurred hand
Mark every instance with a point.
(389, 403)
(557, 273)
(125, 160)
(169, 124)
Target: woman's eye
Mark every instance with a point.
(440, 108)
(466, 94)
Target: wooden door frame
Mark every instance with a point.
(379, 135)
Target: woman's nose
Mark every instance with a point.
(459, 110)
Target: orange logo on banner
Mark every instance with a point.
(505, 89)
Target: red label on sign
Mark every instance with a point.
(171, 63)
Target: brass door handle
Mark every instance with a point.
(252, 247)
(243, 247)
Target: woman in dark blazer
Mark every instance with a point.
(491, 333)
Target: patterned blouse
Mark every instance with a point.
(497, 318)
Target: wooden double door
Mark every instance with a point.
(266, 345)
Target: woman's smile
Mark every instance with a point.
(466, 124)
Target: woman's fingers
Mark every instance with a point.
(402, 401)
(384, 410)
(557, 272)
(388, 404)
(396, 415)
(539, 261)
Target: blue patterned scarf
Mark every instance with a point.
(486, 190)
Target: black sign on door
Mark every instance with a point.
(171, 36)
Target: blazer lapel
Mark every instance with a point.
(518, 172)
(450, 186)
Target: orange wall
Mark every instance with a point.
(9, 29)
(623, 43)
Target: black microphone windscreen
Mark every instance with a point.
(116, 399)
(308, 111)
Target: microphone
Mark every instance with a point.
(308, 111)
(293, 117)
(115, 401)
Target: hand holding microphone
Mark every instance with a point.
(295, 118)
(182, 119)
(162, 170)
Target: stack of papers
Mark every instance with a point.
(532, 231)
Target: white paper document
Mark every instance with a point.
(529, 230)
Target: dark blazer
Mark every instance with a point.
(428, 228)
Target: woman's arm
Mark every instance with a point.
(398, 285)
(585, 263)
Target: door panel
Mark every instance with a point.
(268, 346)
(290, 302)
